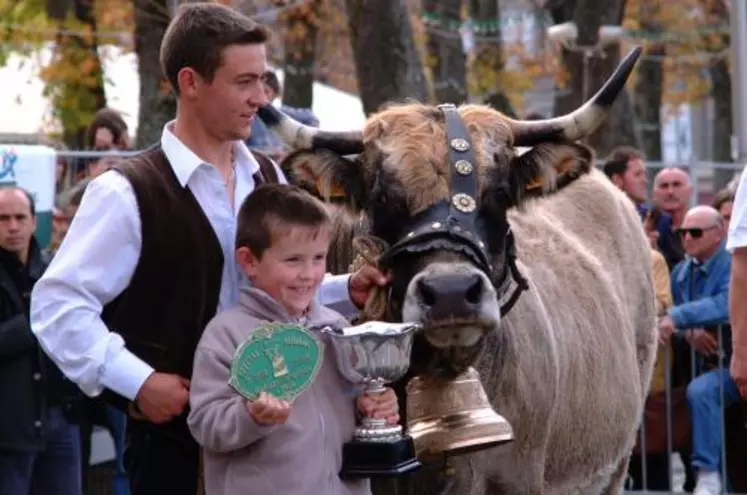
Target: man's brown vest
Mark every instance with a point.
(174, 290)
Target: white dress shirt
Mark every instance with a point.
(97, 259)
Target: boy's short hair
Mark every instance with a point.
(199, 33)
(272, 208)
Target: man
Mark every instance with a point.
(673, 193)
(700, 286)
(148, 259)
(39, 448)
(625, 168)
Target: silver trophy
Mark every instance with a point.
(371, 355)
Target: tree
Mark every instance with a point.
(157, 101)
(73, 77)
(300, 35)
(445, 54)
(386, 59)
(649, 79)
(589, 15)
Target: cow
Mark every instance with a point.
(530, 267)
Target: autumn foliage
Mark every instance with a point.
(692, 33)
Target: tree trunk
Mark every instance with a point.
(300, 30)
(386, 60)
(722, 104)
(489, 61)
(618, 128)
(446, 56)
(647, 94)
(722, 123)
(75, 98)
(157, 101)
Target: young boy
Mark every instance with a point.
(269, 446)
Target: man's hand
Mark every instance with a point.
(268, 410)
(702, 341)
(162, 397)
(738, 371)
(380, 406)
(362, 281)
(666, 329)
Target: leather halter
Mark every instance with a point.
(455, 224)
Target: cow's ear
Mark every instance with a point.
(547, 168)
(326, 175)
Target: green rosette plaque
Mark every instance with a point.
(282, 359)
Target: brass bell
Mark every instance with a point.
(453, 417)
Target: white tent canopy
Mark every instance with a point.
(25, 110)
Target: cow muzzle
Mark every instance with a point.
(455, 302)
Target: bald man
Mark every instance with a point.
(673, 193)
(700, 288)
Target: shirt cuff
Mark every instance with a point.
(125, 374)
(335, 294)
(675, 316)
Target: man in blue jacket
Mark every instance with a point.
(700, 289)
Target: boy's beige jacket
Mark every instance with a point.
(302, 456)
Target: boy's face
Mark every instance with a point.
(291, 269)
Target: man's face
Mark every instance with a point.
(672, 190)
(701, 234)
(17, 225)
(228, 105)
(725, 210)
(633, 181)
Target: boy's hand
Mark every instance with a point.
(380, 406)
(268, 410)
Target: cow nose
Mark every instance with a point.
(450, 290)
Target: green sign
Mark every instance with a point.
(279, 358)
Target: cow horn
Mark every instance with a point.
(299, 136)
(584, 120)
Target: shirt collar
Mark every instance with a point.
(707, 265)
(184, 161)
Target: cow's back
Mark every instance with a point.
(590, 316)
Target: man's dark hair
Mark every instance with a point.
(271, 80)
(272, 209)
(75, 195)
(199, 33)
(617, 161)
(108, 119)
(723, 196)
(29, 196)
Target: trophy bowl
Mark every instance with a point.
(371, 355)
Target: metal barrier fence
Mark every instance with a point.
(694, 389)
(706, 177)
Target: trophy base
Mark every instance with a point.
(378, 459)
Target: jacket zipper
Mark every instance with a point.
(322, 424)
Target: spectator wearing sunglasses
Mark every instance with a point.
(700, 289)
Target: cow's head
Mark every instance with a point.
(441, 206)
